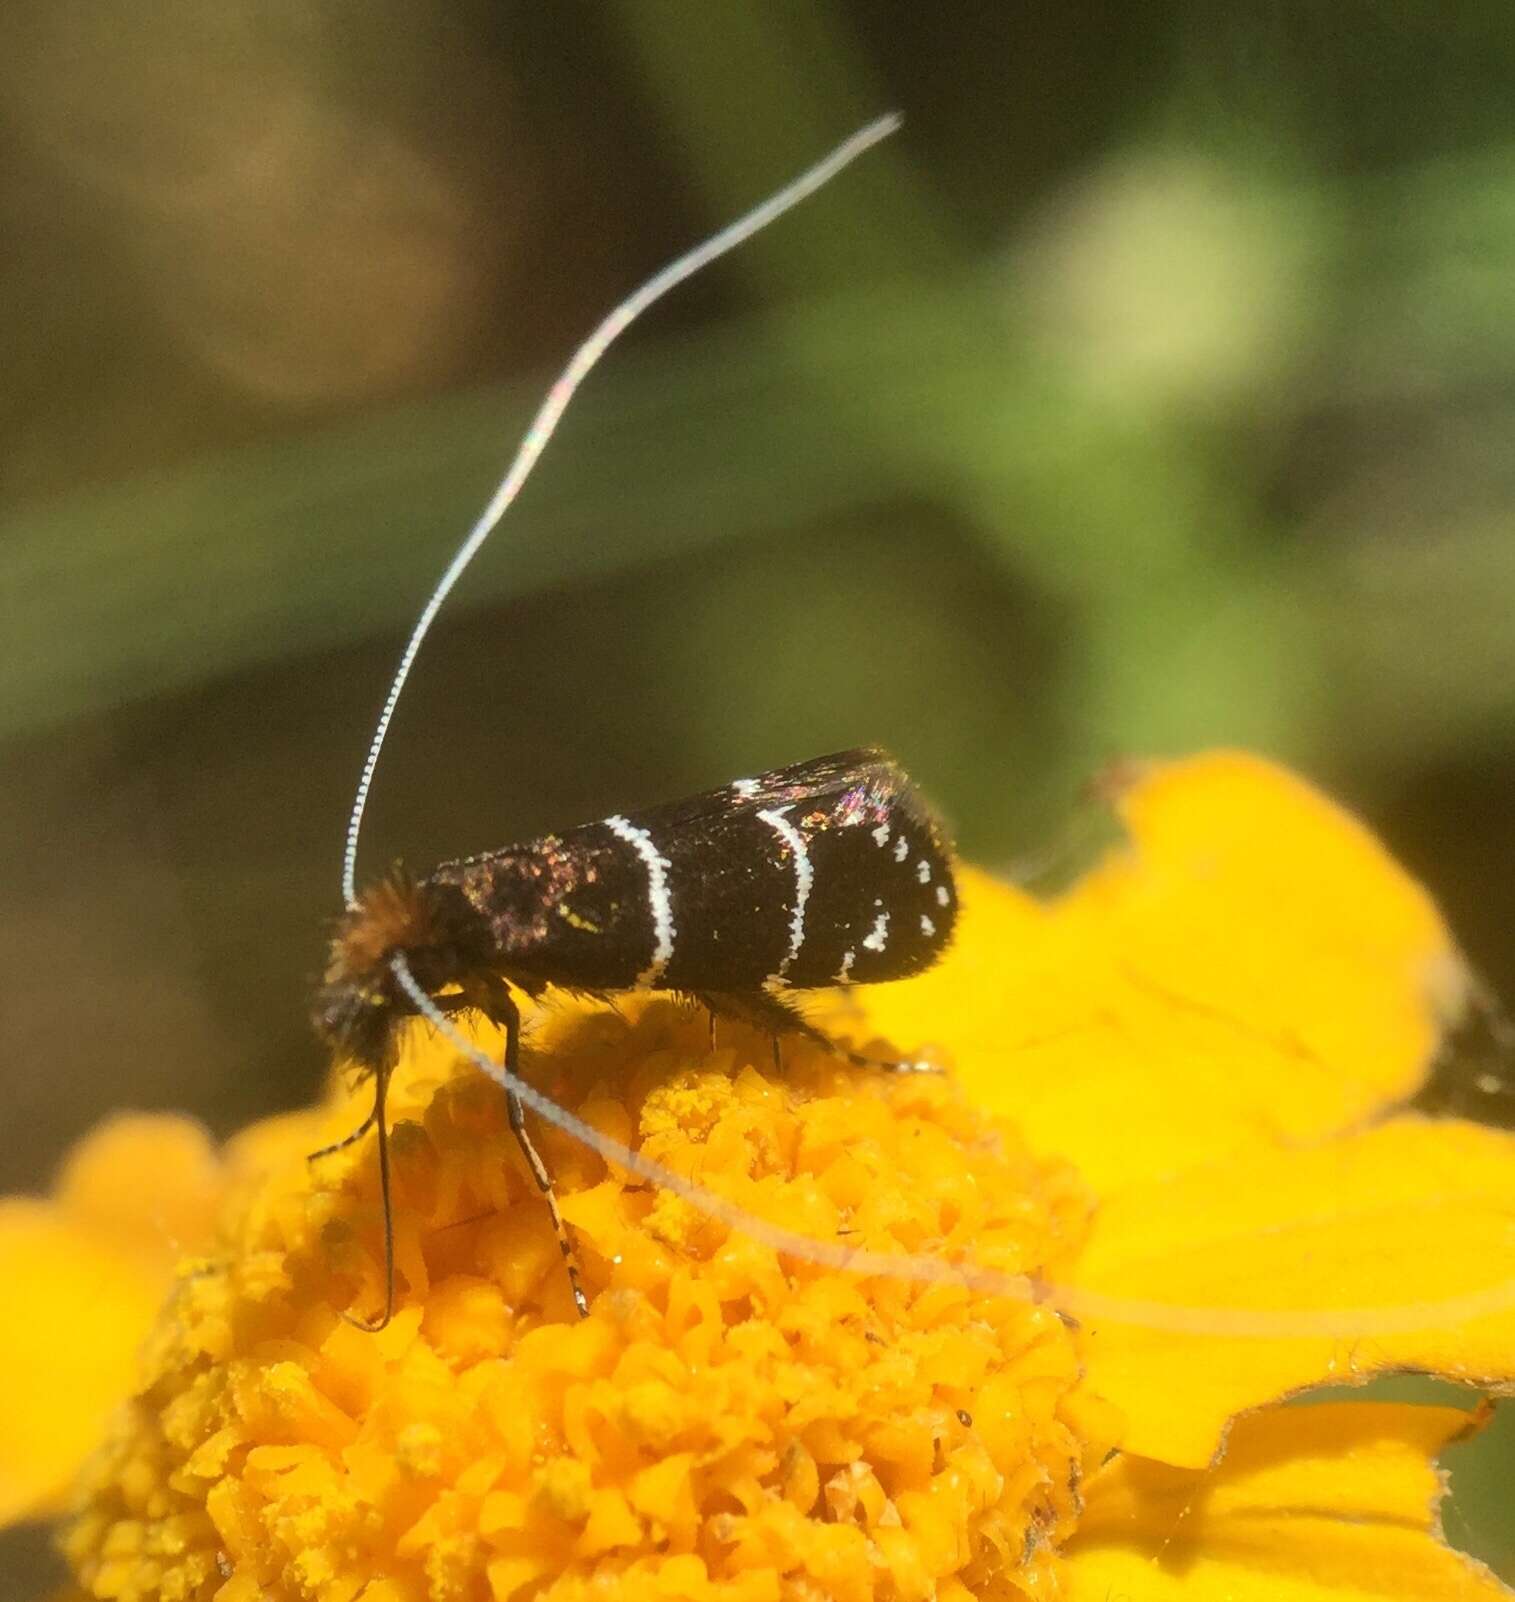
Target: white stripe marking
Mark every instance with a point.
(844, 973)
(879, 938)
(663, 931)
(804, 877)
(901, 849)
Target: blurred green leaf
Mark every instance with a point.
(260, 555)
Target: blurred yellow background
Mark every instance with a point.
(1155, 388)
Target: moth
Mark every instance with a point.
(828, 872)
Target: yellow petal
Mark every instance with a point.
(89, 1269)
(1251, 967)
(66, 1350)
(147, 1184)
(1364, 1235)
(1320, 1504)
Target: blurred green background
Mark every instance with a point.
(1155, 388)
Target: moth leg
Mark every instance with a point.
(769, 1011)
(386, 1200)
(544, 1184)
(346, 1140)
(447, 1004)
(502, 1009)
(764, 1010)
(889, 1065)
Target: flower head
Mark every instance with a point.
(721, 1415)
(1170, 1099)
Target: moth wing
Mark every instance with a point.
(811, 783)
(823, 872)
(831, 871)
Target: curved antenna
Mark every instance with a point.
(550, 414)
(1258, 1323)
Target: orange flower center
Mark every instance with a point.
(727, 1424)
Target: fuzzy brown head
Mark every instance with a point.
(441, 937)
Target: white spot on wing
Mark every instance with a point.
(901, 849)
(923, 871)
(943, 895)
(745, 788)
(878, 937)
(843, 974)
(804, 877)
(881, 835)
(663, 932)
(927, 927)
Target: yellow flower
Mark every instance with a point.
(85, 1273)
(1171, 1101)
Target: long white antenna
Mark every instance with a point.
(550, 414)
